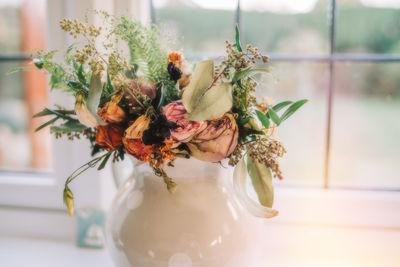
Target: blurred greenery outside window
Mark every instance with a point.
(365, 82)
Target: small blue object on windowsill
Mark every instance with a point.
(90, 228)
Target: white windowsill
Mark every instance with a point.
(17, 251)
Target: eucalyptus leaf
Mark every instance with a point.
(214, 103)
(71, 125)
(281, 105)
(94, 96)
(274, 117)
(261, 178)
(237, 39)
(292, 109)
(201, 80)
(68, 198)
(263, 118)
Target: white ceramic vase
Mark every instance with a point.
(201, 224)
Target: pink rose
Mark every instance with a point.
(217, 141)
(175, 112)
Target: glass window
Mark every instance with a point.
(304, 134)
(368, 26)
(286, 26)
(366, 125)
(199, 26)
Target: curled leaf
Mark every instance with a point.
(93, 100)
(202, 79)
(214, 103)
(240, 187)
(82, 112)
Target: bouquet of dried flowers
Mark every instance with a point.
(151, 105)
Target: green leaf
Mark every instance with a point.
(110, 86)
(162, 97)
(202, 79)
(94, 96)
(81, 75)
(292, 109)
(46, 124)
(281, 105)
(38, 63)
(244, 121)
(274, 117)
(214, 103)
(71, 125)
(18, 69)
(261, 179)
(246, 72)
(104, 162)
(263, 118)
(59, 113)
(68, 198)
(237, 39)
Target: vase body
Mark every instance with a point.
(201, 224)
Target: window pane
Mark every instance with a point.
(286, 26)
(199, 26)
(366, 125)
(20, 147)
(368, 26)
(303, 134)
(10, 26)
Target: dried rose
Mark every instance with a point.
(217, 141)
(109, 136)
(136, 130)
(82, 112)
(136, 148)
(112, 113)
(144, 86)
(175, 112)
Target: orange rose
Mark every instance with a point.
(111, 113)
(109, 136)
(176, 58)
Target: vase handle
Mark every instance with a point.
(124, 169)
(240, 188)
